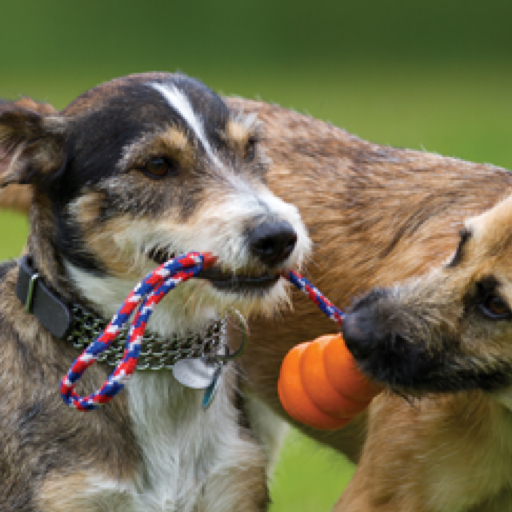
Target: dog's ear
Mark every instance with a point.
(32, 138)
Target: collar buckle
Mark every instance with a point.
(30, 293)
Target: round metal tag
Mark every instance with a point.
(195, 373)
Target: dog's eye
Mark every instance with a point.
(250, 150)
(495, 308)
(158, 167)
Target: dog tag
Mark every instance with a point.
(211, 390)
(195, 373)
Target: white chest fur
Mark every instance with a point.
(190, 459)
(180, 442)
(188, 456)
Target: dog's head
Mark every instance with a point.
(451, 329)
(143, 168)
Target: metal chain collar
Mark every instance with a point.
(157, 352)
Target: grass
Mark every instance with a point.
(458, 110)
(13, 232)
(308, 477)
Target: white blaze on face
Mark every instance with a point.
(179, 102)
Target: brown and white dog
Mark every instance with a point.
(130, 173)
(377, 216)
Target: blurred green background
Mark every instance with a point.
(433, 75)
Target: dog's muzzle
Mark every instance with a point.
(270, 244)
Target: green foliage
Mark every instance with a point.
(13, 232)
(307, 478)
(120, 36)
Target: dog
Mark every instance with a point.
(447, 333)
(130, 174)
(376, 216)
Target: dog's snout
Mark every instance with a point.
(384, 353)
(272, 242)
(359, 333)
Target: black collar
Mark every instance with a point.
(75, 324)
(42, 302)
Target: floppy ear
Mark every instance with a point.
(32, 137)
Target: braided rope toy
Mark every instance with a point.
(299, 397)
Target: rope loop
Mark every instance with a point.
(148, 293)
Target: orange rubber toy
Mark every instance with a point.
(321, 386)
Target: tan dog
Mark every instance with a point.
(449, 332)
(377, 216)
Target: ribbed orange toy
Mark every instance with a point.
(321, 386)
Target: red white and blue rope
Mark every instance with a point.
(150, 291)
(316, 296)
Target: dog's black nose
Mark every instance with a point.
(272, 242)
(359, 335)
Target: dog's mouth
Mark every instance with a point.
(239, 281)
(226, 280)
(159, 255)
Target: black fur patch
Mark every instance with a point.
(465, 235)
(70, 244)
(405, 367)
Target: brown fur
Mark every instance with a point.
(456, 322)
(172, 141)
(36, 413)
(377, 215)
(16, 197)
